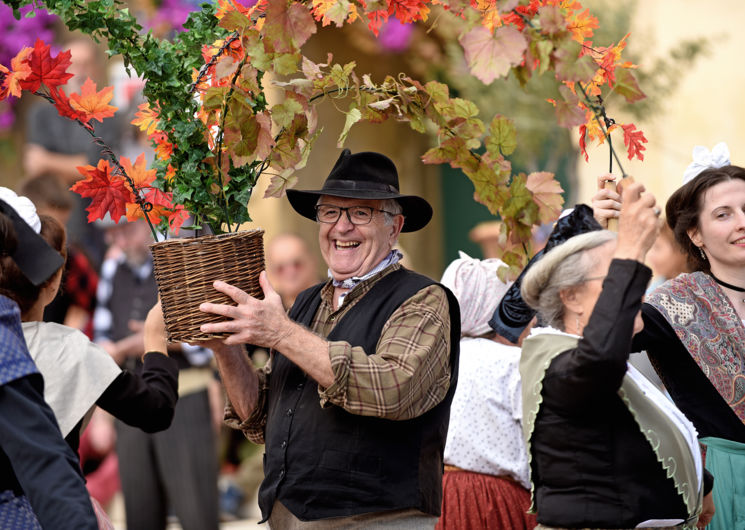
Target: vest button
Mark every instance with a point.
(300, 386)
(289, 412)
(282, 472)
(283, 444)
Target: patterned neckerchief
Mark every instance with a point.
(350, 283)
(707, 324)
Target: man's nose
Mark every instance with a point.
(345, 221)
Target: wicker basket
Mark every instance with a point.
(186, 268)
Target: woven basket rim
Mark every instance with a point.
(207, 238)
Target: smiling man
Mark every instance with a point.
(354, 404)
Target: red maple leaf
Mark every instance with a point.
(376, 20)
(108, 193)
(45, 69)
(583, 141)
(66, 110)
(94, 104)
(160, 202)
(633, 141)
(515, 17)
(407, 11)
(177, 218)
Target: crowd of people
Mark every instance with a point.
(579, 396)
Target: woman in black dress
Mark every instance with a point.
(607, 449)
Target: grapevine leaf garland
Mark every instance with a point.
(210, 166)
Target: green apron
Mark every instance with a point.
(725, 460)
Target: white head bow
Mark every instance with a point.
(23, 206)
(705, 159)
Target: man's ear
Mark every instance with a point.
(695, 236)
(571, 299)
(396, 226)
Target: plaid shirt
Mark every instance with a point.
(81, 280)
(408, 374)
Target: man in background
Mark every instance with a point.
(290, 266)
(57, 145)
(174, 469)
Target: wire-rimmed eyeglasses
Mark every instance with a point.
(357, 215)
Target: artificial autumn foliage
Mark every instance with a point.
(45, 69)
(93, 105)
(108, 192)
(217, 70)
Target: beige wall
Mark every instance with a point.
(708, 106)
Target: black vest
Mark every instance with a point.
(327, 462)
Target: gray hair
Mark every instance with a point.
(564, 266)
(391, 208)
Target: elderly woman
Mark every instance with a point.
(486, 466)
(693, 324)
(607, 450)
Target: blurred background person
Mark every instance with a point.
(174, 470)
(486, 463)
(56, 145)
(290, 266)
(666, 258)
(76, 299)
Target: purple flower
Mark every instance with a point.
(395, 36)
(14, 36)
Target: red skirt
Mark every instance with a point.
(474, 501)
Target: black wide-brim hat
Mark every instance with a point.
(364, 175)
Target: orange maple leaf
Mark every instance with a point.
(138, 172)
(146, 118)
(582, 25)
(163, 148)
(109, 193)
(170, 173)
(3, 87)
(94, 104)
(20, 69)
(45, 69)
(328, 11)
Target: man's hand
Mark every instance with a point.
(707, 511)
(260, 322)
